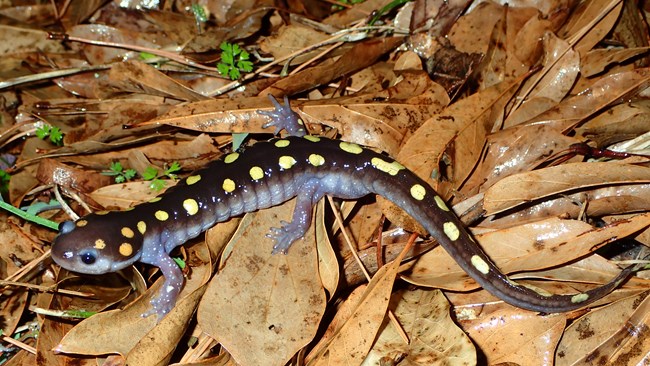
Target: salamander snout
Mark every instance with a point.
(95, 245)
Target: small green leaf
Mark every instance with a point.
(43, 131)
(150, 173)
(245, 66)
(129, 174)
(175, 167)
(116, 167)
(147, 56)
(157, 184)
(234, 74)
(181, 263)
(199, 13)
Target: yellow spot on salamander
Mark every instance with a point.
(386, 167)
(316, 160)
(350, 147)
(142, 227)
(480, 264)
(102, 212)
(576, 299)
(256, 173)
(286, 162)
(81, 223)
(418, 192)
(100, 244)
(191, 206)
(127, 233)
(228, 185)
(192, 179)
(451, 230)
(282, 143)
(126, 249)
(441, 204)
(155, 199)
(161, 215)
(231, 157)
(311, 138)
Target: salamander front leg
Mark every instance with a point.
(165, 300)
(309, 194)
(282, 117)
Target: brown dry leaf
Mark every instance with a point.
(137, 77)
(361, 55)
(531, 186)
(514, 150)
(344, 310)
(191, 153)
(393, 121)
(551, 242)
(51, 171)
(107, 291)
(621, 122)
(513, 335)
(101, 55)
(561, 67)
(595, 61)
(328, 263)
(292, 38)
(218, 115)
(264, 308)
(16, 40)
(355, 13)
(471, 33)
(423, 152)
(602, 93)
(362, 221)
(501, 63)
(595, 202)
(591, 22)
(434, 337)
(350, 343)
(611, 335)
(15, 249)
(126, 195)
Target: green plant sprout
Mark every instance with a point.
(121, 175)
(199, 13)
(234, 59)
(4, 182)
(54, 133)
(152, 174)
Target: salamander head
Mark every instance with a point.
(97, 244)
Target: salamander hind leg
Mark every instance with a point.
(309, 194)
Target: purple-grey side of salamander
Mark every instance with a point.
(268, 174)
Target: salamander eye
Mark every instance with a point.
(88, 258)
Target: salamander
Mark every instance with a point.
(270, 173)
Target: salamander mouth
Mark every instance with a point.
(86, 261)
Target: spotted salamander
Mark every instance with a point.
(270, 173)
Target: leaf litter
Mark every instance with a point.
(487, 102)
